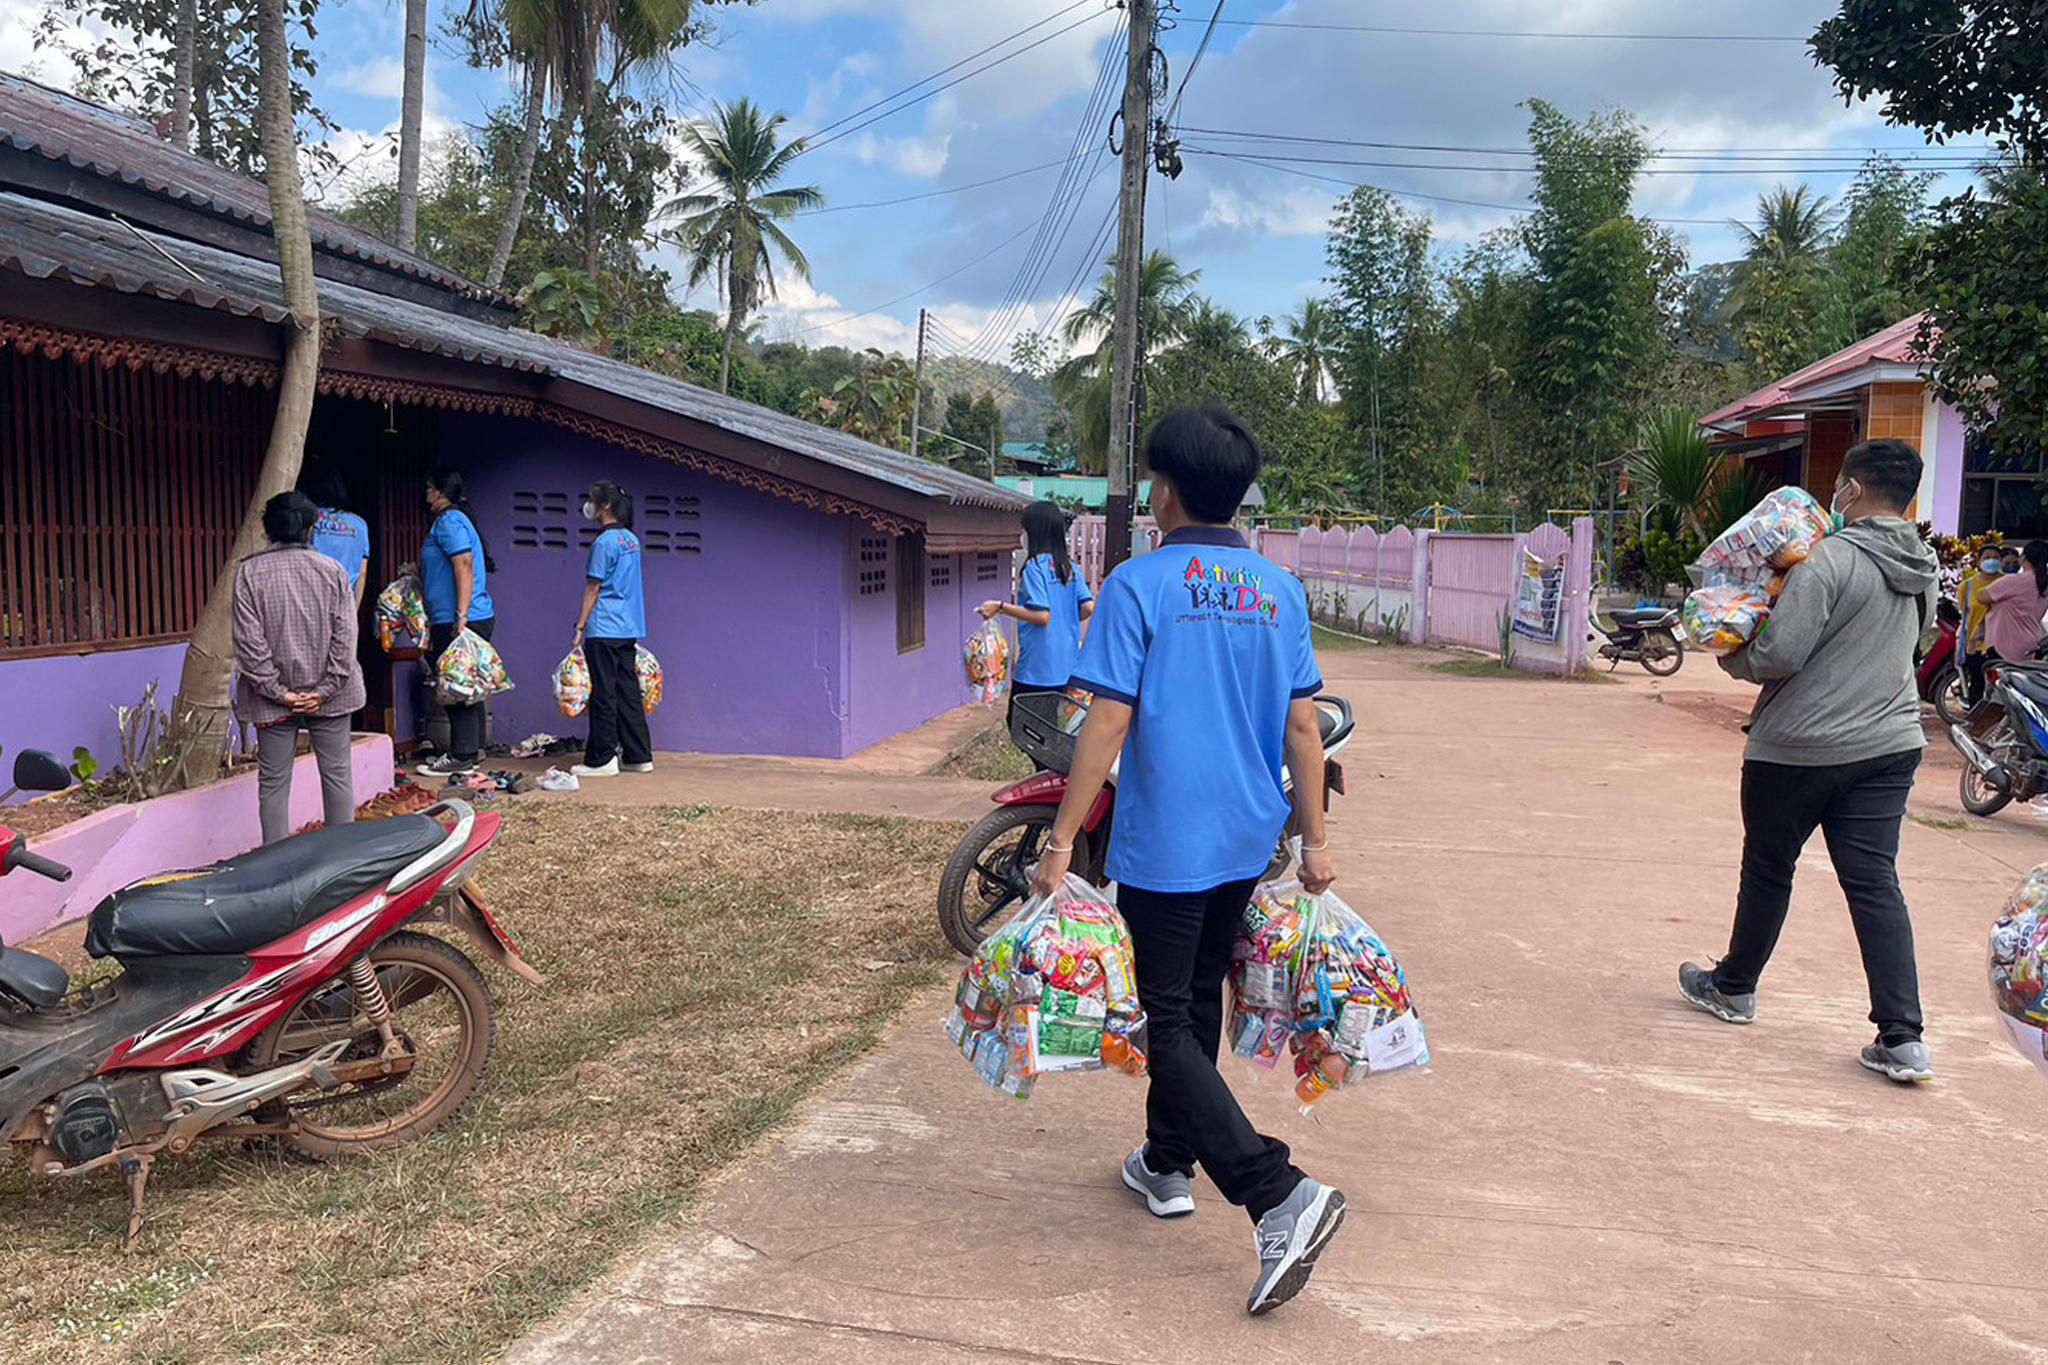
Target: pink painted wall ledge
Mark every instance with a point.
(113, 847)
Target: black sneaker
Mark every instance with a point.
(446, 765)
(1696, 984)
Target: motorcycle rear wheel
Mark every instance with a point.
(440, 1003)
(989, 875)
(1661, 653)
(1980, 797)
(1947, 690)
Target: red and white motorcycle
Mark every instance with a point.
(284, 993)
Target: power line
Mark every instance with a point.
(1524, 33)
(937, 90)
(1808, 169)
(1208, 33)
(934, 194)
(869, 312)
(1906, 155)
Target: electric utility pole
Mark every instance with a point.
(1125, 360)
(917, 385)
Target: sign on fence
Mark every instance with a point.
(1539, 592)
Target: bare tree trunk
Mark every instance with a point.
(589, 151)
(200, 712)
(182, 73)
(410, 112)
(522, 177)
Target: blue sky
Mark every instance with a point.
(1255, 232)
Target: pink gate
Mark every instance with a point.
(1469, 578)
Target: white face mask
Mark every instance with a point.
(589, 510)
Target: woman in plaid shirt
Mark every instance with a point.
(295, 652)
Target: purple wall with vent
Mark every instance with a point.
(893, 689)
(744, 607)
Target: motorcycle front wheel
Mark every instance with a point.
(440, 1005)
(989, 875)
(1661, 653)
(1947, 690)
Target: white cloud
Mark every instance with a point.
(363, 158)
(19, 53)
(379, 78)
(802, 313)
(1297, 213)
(919, 157)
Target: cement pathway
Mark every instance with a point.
(1592, 1172)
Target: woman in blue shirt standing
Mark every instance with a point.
(455, 571)
(1052, 602)
(608, 631)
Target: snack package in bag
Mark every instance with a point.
(1052, 990)
(469, 671)
(401, 607)
(1725, 617)
(1312, 986)
(1742, 571)
(572, 684)
(649, 670)
(988, 662)
(2019, 963)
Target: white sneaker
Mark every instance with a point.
(607, 769)
(646, 767)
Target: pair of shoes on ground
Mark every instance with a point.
(1906, 1062)
(1289, 1238)
(611, 768)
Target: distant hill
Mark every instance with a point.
(1027, 404)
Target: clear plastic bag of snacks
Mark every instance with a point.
(572, 684)
(401, 608)
(1052, 990)
(649, 670)
(2019, 967)
(470, 670)
(988, 662)
(1312, 987)
(1725, 617)
(1777, 533)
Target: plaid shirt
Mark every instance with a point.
(295, 631)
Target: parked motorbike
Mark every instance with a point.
(1938, 667)
(2006, 759)
(990, 871)
(1643, 635)
(286, 993)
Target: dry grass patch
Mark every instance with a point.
(990, 756)
(706, 970)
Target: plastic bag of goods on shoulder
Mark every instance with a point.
(649, 670)
(1313, 987)
(2019, 967)
(572, 684)
(1725, 617)
(1053, 990)
(988, 662)
(469, 671)
(401, 607)
(1772, 536)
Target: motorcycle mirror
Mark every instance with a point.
(37, 770)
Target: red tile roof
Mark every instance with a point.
(1893, 346)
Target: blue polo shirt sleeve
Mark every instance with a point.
(1308, 677)
(604, 554)
(1113, 659)
(1034, 589)
(447, 535)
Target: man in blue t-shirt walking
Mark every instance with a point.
(1203, 672)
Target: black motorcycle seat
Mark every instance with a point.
(242, 903)
(1640, 616)
(31, 979)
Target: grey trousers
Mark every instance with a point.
(277, 746)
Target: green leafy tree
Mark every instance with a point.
(1166, 307)
(731, 229)
(1867, 286)
(565, 303)
(1779, 282)
(873, 402)
(1952, 67)
(1304, 344)
(1677, 469)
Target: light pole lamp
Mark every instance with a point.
(988, 452)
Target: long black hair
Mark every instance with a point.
(1045, 533)
(605, 493)
(448, 483)
(2036, 554)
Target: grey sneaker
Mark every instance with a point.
(1905, 1063)
(445, 765)
(1171, 1195)
(1696, 984)
(1289, 1239)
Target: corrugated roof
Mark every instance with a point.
(119, 146)
(1892, 346)
(45, 241)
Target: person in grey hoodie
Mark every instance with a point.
(1834, 740)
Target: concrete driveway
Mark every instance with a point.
(1592, 1171)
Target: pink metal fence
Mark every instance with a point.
(1469, 581)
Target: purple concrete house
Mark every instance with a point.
(807, 592)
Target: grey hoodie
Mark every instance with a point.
(1836, 660)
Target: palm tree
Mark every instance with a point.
(199, 719)
(412, 99)
(1792, 227)
(1678, 469)
(729, 228)
(1215, 331)
(1304, 346)
(1167, 307)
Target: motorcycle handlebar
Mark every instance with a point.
(19, 856)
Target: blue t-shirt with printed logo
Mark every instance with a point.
(344, 538)
(620, 613)
(1046, 654)
(453, 534)
(1209, 645)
